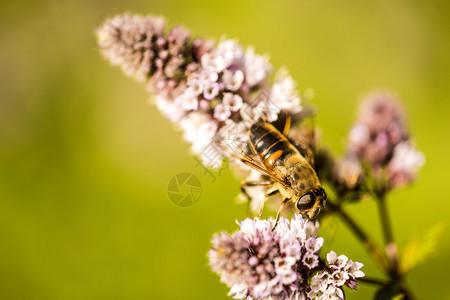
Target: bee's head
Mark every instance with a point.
(312, 202)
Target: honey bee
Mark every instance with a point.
(289, 172)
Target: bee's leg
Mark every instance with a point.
(287, 125)
(261, 206)
(279, 213)
(250, 183)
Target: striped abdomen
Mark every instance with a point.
(271, 145)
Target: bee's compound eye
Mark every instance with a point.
(306, 201)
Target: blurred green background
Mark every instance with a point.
(85, 160)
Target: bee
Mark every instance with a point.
(289, 172)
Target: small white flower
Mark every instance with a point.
(256, 67)
(288, 278)
(311, 228)
(276, 285)
(320, 281)
(232, 101)
(221, 112)
(248, 227)
(199, 129)
(208, 76)
(314, 244)
(330, 290)
(234, 132)
(226, 52)
(230, 50)
(252, 261)
(266, 110)
(263, 225)
(284, 93)
(283, 228)
(188, 100)
(211, 90)
(404, 164)
(247, 115)
(261, 289)
(336, 262)
(339, 277)
(333, 292)
(169, 108)
(323, 287)
(238, 291)
(290, 246)
(298, 228)
(213, 62)
(359, 135)
(353, 269)
(234, 136)
(232, 80)
(310, 260)
(282, 266)
(196, 85)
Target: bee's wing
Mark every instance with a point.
(235, 150)
(306, 151)
(304, 139)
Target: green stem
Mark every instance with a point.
(372, 280)
(391, 247)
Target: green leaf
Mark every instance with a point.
(420, 247)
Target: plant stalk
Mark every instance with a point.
(391, 247)
(372, 280)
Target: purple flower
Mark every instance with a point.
(380, 127)
(381, 140)
(328, 283)
(258, 263)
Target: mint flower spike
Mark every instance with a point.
(128, 41)
(258, 263)
(380, 139)
(207, 89)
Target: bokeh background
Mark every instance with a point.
(85, 160)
